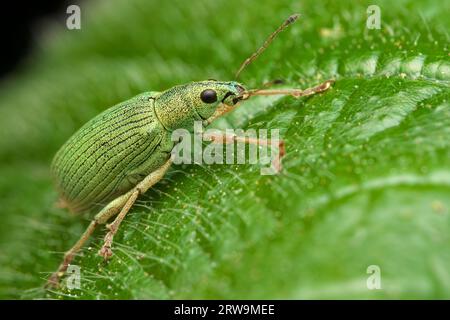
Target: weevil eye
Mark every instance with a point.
(208, 96)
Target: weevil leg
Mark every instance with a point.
(113, 208)
(121, 204)
(107, 212)
(141, 188)
(53, 280)
(231, 138)
(293, 92)
(105, 251)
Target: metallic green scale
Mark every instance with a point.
(99, 161)
(114, 151)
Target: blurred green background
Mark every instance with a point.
(366, 178)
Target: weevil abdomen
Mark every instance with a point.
(110, 154)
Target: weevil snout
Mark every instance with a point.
(240, 90)
(234, 96)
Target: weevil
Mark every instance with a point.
(126, 149)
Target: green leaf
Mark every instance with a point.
(366, 178)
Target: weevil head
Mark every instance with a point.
(180, 106)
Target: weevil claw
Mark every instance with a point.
(105, 252)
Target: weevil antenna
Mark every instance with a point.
(267, 42)
(297, 93)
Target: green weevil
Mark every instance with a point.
(126, 149)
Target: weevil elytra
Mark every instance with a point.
(125, 150)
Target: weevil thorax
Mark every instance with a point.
(180, 106)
